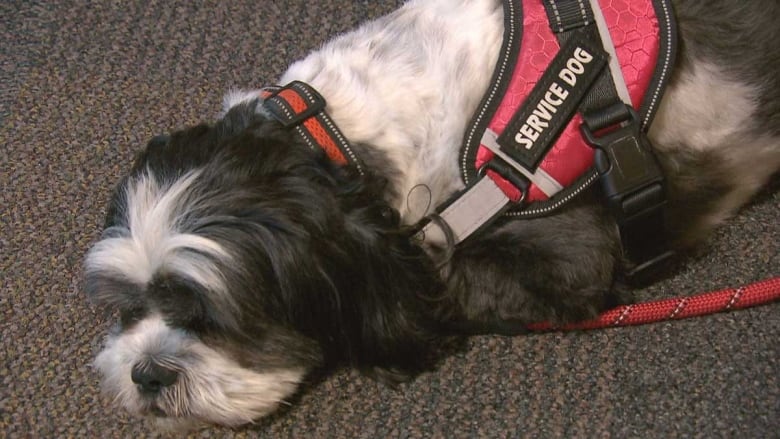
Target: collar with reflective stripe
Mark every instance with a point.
(299, 106)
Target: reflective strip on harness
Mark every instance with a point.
(472, 210)
(539, 178)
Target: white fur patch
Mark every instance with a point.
(153, 238)
(705, 110)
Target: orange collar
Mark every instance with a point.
(299, 106)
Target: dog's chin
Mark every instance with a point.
(157, 418)
(210, 387)
(161, 421)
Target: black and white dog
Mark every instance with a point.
(240, 259)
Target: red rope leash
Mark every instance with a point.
(758, 293)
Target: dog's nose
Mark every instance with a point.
(151, 377)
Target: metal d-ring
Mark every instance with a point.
(506, 172)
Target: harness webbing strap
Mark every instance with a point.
(539, 177)
(618, 80)
(567, 14)
(631, 181)
(472, 210)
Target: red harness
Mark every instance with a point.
(642, 34)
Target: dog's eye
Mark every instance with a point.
(129, 317)
(389, 214)
(178, 300)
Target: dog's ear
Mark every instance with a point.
(394, 335)
(353, 280)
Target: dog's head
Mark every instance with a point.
(238, 260)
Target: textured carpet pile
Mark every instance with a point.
(85, 84)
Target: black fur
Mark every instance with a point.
(559, 268)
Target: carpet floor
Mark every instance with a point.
(85, 84)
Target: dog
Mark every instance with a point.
(240, 260)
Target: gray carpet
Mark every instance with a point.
(84, 84)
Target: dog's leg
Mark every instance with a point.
(558, 268)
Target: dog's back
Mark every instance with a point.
(718, 131)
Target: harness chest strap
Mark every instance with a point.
(535, 126)
(558, 93)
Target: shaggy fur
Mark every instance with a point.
(240, 260)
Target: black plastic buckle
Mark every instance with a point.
(506, 171)
(633, 186)
(630, 176)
